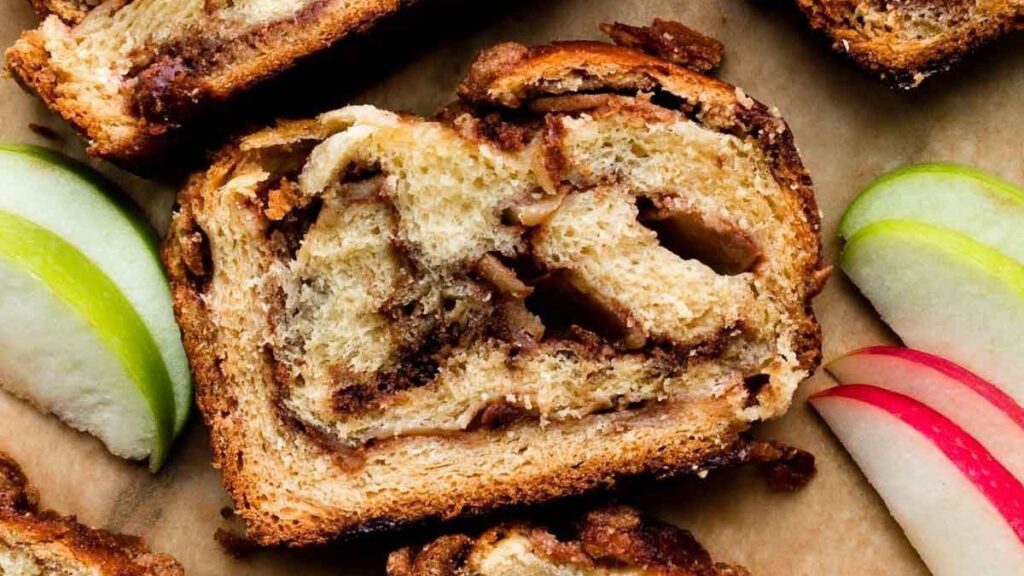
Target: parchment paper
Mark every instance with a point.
(849, 129)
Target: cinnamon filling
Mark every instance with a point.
(442, 284)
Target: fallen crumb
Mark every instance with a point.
(744, 100)
(792, 472)
(670, 40)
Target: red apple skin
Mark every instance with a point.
(982, 387)
(977, 406)
(1004, 491)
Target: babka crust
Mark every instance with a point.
(70, 11)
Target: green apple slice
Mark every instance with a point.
(67, 325)
(80, 206)
(945, 293)
(975, 203)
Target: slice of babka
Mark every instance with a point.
(905, 42)
(132, 75)
(596, 264)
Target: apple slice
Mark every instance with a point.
(976, 405)
(960, 508)
(974, 203)
(80, 206)
(71, 343)
(945, 293)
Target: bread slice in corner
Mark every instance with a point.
(37, 542)
(906, 42)
(129, 75)
(595, 265)
(603, 542)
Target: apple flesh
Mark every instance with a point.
(969, 201)
(980, 408)
(960, 508)
(944, 293)
(78, 205)
(71, 343)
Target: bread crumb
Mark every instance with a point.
(744, 100)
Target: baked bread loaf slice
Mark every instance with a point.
(906, 41)
(596, 264)
(129, 74)
(605, 542)
(34, 542)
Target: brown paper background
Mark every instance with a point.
(849, 129)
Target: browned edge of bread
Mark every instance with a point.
(906, 63)
(606, 67)
(196, 75)
(616, 537)
(24, 526)
(70, 11)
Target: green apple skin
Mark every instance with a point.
(974, 203)
(89, 293)
(76, 203)
(944, 293)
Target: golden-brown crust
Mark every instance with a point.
(25, 528)
(614, 537)
(70, 11)
(188, 77)
(905, 60)
(718, 443)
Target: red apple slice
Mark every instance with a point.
(976, 405)
(961, 509)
